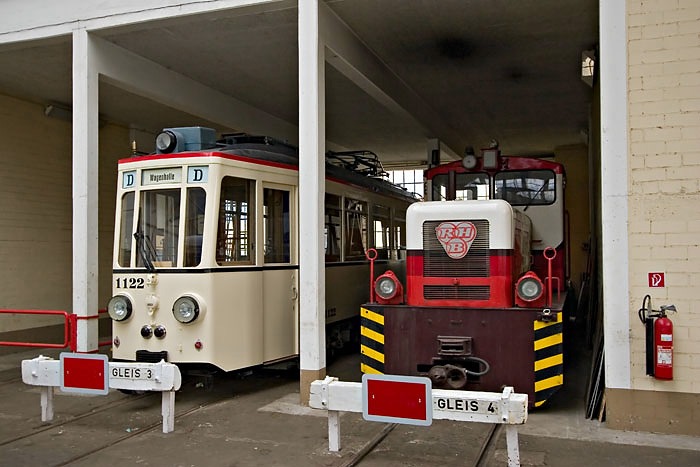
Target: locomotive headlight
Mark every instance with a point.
(166, 142)
(529, 289)
(186, 309)
(385, 287)
(388, 289)
(119, 308)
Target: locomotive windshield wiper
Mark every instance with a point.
(146, 250)
(533, 197)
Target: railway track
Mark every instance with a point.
(141, 432)
(101, 409)
(6, 382)
(145, 416)
(75, 418)
(192, 400)
(485, 451)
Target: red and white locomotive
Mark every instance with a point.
(485, 276)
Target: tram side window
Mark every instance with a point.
(355, 229)
(381, 223)
(276, 226)
(159, 220)
(332, 230)
(126, 229)
(236, 222)
(526, 187)
(194, 225)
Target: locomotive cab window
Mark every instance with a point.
(467, 186)
(126, 229)
(158, 226)
(194, 225)
(276, 230)
(236, 222)
(355, 229)
(526, 187)
(472, 186)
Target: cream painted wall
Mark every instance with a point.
(575, 160)
(36, 211)
(664, 174)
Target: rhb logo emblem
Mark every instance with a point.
(456, 238)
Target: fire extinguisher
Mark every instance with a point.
(659, 339)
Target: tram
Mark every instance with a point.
(206, 262)
(486, 278)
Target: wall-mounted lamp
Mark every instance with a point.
(59, 112)
(588, 66)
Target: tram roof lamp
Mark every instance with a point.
(166, 141)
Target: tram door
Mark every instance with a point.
(279, 277)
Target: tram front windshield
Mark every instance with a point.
(157, 228)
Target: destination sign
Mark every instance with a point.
(161, 176)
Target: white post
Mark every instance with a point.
(512, 446)
(333, 430)
(614, 191)
(312, 138)
(46, 403)
(85, 181)
(168, 411)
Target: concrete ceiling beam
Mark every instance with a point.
(349, 55)
(131, 72)
(43, 19)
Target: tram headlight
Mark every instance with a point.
(186, 309)
(530, 288)
(119, 307)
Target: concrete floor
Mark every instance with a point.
(256, 420)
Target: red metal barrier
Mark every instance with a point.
(70, 329)
(66, 325)
(108, 342)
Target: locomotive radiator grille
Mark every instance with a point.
(549, 359)
(372, 341)
(456, 292)
(436, 263)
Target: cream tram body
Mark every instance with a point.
(221, 233)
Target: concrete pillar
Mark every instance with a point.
(85, 182)
(312, 139)
(614, 192)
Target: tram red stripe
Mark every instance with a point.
(187, 155)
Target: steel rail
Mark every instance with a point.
(147, 429)
(94, 411)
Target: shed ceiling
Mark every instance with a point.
(500, 70)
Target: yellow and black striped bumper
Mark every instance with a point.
(549, 359)
(372, 340)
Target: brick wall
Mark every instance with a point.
(664, 180)
(36, 211)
